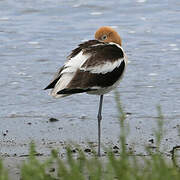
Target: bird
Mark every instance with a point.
(95, 67)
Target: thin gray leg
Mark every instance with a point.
(99, 125)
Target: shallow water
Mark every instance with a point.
(35, 38)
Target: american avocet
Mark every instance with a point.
(95, 67)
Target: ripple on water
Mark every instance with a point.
(152, 74)
(175, 49)
(33, 42)
(4, 18)
(131, 32)
(172, 45)
(143, 18)
(141, 1)
(96, 13)
(38, 35)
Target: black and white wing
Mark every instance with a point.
(93, 66)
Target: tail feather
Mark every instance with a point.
(52, 84)
(60, 85)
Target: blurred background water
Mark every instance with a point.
(35, 38)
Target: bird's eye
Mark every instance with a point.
(104, 37)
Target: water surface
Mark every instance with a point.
(36, 37)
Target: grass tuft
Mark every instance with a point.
(3, 172)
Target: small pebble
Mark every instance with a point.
(151, 140)
(73, 150)
(83, 117)
(153, 147)
(5, 133)
(87, 150)
(52, 170)
(39, 154)
(115, 147)
(115, 151)
(53, 120)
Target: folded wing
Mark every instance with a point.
(90, 67)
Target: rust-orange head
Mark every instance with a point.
(108, 34)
